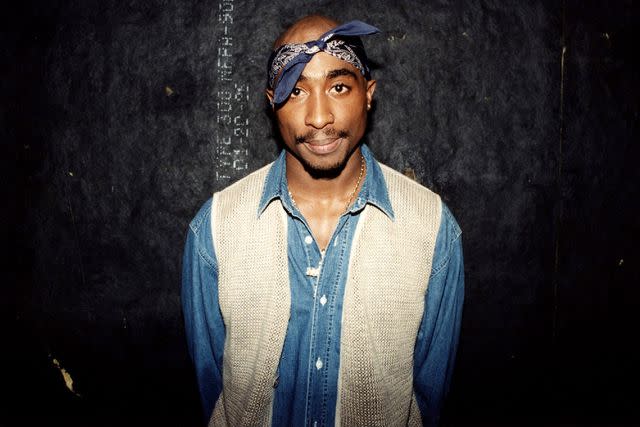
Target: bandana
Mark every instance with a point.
(289, 60)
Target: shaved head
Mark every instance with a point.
(305, 29)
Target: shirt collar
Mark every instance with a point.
(374, 189)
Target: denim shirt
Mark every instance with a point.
(307, 378)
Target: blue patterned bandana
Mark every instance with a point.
(287, 62)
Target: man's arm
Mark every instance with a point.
(203, 321)
(437, 341)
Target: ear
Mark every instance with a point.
(371, 88)
(269, 93)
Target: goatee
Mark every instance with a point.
(324, 171)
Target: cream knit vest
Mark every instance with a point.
(383, 305)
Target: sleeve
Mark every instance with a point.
(205, 330)
(437, 340)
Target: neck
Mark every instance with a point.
(336, 188)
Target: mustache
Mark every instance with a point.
(314, 135)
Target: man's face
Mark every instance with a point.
(326, 115)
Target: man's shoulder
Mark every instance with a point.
(204, 213)
(400, 185)
(202, 216)
(242, 198)
(255, 177)
(416, 200)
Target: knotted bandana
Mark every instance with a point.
(289, 60)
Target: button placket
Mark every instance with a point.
(323, 330)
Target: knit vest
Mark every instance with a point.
(389, 269)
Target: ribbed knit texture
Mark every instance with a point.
(254, 297)
(388, 275)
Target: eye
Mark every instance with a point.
(340, 88)
(296, 91)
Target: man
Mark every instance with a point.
(325, 288)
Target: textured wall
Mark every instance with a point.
(597, 275)
(123, 117)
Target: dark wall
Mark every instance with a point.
(597, 274)
(121, 118)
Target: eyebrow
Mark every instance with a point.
(333, 74)
(340, 72)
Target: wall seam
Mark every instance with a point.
(554, 330)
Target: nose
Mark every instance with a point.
(319, 112)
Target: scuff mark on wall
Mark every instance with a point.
(68, 381)
(410, 173)
(396, 36)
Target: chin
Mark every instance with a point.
(329, 168)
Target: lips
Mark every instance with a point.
(324, 146)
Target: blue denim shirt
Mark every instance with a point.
(306, 385)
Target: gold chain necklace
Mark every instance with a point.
(353, 192)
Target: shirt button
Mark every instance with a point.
(323, 300)
(308, 240)
(319, 364)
